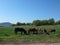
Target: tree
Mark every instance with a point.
(23, 24)
(51, 21)
(36, 22)
(28, 23)
(18, 23)
(58, 22)
(44, 22)
(13, 24)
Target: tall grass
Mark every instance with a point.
(7, 33)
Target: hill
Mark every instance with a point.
(5, 24)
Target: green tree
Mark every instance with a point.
(51, 21)
(36, 22)
(23, 24)
(13, 24)
(18, 23)
(57, 22)
(44, 22)
(28, 23)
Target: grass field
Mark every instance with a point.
(7, 33)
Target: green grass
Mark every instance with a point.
(7, 33)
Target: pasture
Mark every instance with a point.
(7, 33)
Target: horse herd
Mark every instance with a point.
(33, 31)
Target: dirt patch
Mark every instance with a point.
(34, 44)
(26, 42)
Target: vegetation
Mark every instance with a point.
(39, 22)
(58, 22)
(7, 33)
(36, 22)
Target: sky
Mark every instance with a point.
(28, 10)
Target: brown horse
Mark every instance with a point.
(32, 30)
(40, 31)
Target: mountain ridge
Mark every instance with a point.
(5, 24)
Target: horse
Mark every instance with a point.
(32, 30)
(45, 31)
(52, 31)
(40, 31)
(22, 30)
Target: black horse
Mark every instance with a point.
(33, 31)
(22, 30)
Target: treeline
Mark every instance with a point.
(39, 22)
(19, 24)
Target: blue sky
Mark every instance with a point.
(28, 10)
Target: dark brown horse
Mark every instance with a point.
(33, 31)
(22, 30)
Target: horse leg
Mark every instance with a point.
(21, 33)
(24, 33)
(28, 32)
(36, 32)
(33, 32)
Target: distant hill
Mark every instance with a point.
(5, 24)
